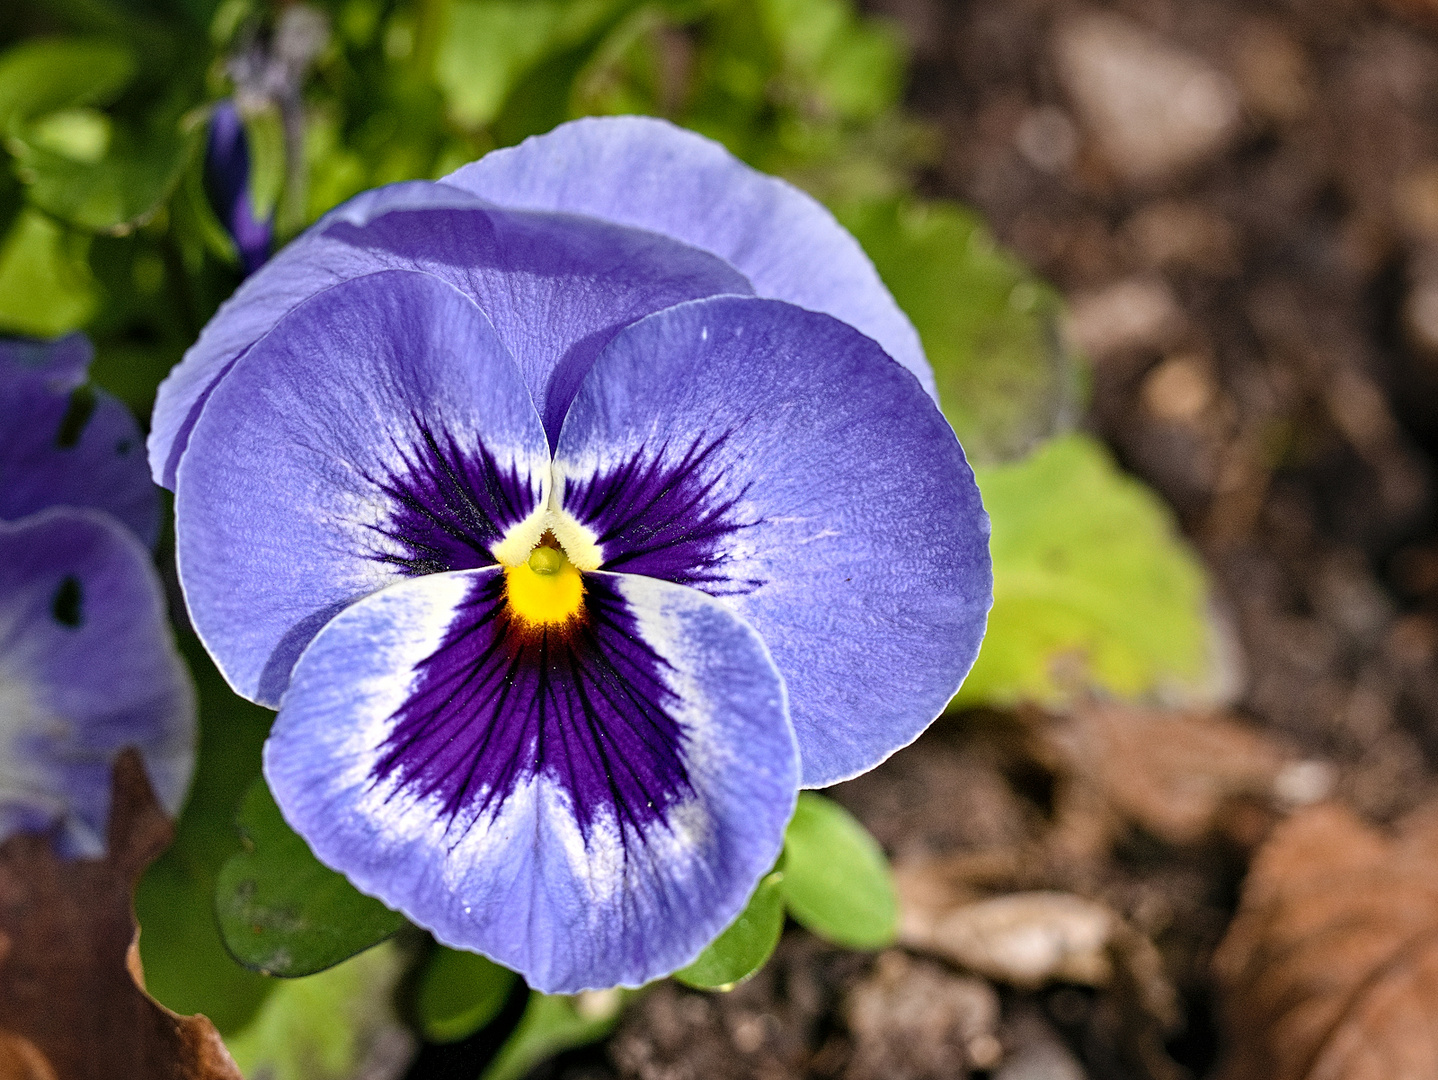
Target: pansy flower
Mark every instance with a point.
(87, 663)
(575, 511)
(65, 443)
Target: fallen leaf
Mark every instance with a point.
(1329, 970)
(1178, 774)
(70, 1005)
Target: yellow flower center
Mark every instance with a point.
(545, 589)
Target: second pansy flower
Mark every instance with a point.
(572, 538)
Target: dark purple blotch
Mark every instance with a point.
(666, 518)
(500, 701)
(450, 505)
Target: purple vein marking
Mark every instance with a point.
(666, 519)
(450, 505)
(499, 702)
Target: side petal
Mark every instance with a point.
(380, 431)
(589, 807)
(776, 458)
(63, 443)
(87, 668)
(555, 286)
(649, 174)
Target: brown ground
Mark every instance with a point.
(1254, 273)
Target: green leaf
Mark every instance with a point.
(123, 188)
(48, 74)
(489, 46)
(459, 993)
(1092, 585)
(80, 134)
(745, 946)
(46, 287)
(836, 879)
(326, 1026)
(988, 325)
(281, 911)
(186, 965)
(553, 1023)
(265, 136)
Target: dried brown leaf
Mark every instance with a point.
(1179, 775)
(1330, 969)
(70, 1005)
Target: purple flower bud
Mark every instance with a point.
(227, 181)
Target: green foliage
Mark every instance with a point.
(322, 1027)
(47, 75)
(46, 287)
(105, 225)
(745, 945)
(836, 880)
(186, 965)
(459, 993)
(989, 327)
(1091, 584)
(553, 1023)
(283, 912)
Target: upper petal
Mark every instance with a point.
(589, 806)
(555, 286)
(87, 668)
(647, 173)
(65, 444)
(776, 458)
(381, 430)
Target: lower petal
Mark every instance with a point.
(587, 803)
(87, 668)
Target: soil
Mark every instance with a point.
(1271, 370)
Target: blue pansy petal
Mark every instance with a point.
(649, 174)
(380, 431)
(776, 458)
(588, 807)
(87, 668)
(556, 287)
(65, 444)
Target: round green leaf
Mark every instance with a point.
(836, 879)
(745, 945)
(326, 1026)
(1092, 585)
(459, 993)
(187, 968)
(280, 910)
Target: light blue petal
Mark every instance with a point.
(555, 286)
(87, 668)
(589, 808)
(775, 458)
(649, 174)
(61, 445)
(381, 430)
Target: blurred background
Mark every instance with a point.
(1176, 266)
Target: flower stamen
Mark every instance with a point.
(546, 589)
